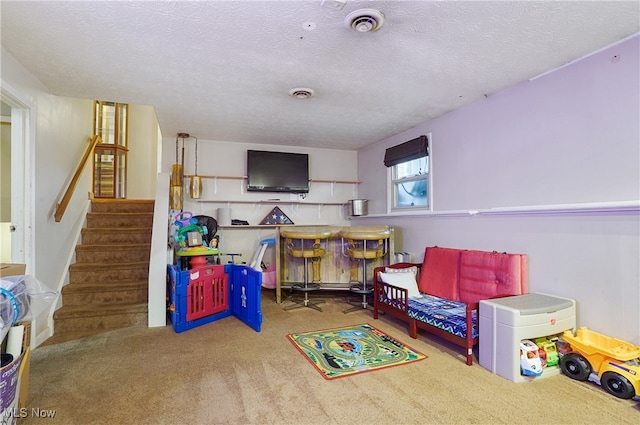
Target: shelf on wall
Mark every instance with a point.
(217, 177)
(272, 201)
(267, 202)
(335, 181)
(245, 177)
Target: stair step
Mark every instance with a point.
(92, 272)
(108, 284)
(108, 235)
(118, 219)
(86, 311)
(122, 205)
(90, 320)
(60, 337)
(96, 293)
(112, 253)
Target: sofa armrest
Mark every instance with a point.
(389, 298)
(394, 291)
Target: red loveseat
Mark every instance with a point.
(442, 296)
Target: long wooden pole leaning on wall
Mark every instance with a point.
(62, 206)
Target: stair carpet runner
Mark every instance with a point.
(108, 284)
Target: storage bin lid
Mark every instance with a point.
(534, 303)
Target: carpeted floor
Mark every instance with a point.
(226, 373)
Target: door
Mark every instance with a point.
(5, 184)
(19, 155)
(15, 208)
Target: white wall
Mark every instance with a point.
(63, 129)
(217, 158)
(58, 134)
(142, 170)
(572, 136)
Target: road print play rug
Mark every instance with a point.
(341, 352)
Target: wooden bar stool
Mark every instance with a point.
(362, 245)
(306, 244)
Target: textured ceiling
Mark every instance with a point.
(222, 70)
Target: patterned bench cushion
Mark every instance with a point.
(444, 314)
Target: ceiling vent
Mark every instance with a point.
(364, 20)
(301, 93)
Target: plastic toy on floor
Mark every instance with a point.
(548, 351)
(530, 362)
(612, 363)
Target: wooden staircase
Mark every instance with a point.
(108, 284)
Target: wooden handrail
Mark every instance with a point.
(62, 206)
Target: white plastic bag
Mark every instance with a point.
(17, 294)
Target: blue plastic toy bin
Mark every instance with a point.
(205, 294)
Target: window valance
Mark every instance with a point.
(413, 149)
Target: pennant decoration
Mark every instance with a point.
(276, 216)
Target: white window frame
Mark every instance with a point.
(392, 208)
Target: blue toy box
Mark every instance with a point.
(205, 294)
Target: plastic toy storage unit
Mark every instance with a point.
(205, 294)
(504, 322)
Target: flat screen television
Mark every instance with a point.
(277, 172)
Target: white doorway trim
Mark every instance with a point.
(23, 159)
(22, 166)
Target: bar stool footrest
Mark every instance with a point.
(359, 288)
(305, 303)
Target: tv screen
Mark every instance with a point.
(277, 172)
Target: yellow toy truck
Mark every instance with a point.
(610, 362)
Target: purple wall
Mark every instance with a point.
(569, 137)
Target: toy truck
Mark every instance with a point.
(610, 362)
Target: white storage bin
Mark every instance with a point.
(504, 322)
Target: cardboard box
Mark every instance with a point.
(11, 269)
(14, 381)
(21, 364)
(23, 377)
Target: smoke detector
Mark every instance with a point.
(364, 20)
(301, 93)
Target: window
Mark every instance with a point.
(410, 181)
(110, 157)
(409, 169)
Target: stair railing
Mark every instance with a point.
(62, 206)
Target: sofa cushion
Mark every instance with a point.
(439, 274)
(402, 280)
(486, 274)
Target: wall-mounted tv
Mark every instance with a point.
(277, 171)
